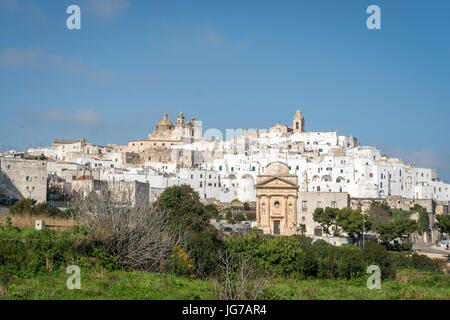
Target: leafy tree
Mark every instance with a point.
(400, 228)
(326, 218)
(353, 222)
(239, 217)
(423, 221)
(443, 223)
(182, 204)
(399, 213)
(380, 212)
(302, 228)
(229, 217)
(212, 211)
(186, 212)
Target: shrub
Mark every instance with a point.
(421, 262)
(185, 212)
(238, 278)
(351, 264)
(138, 236)
(181, 264)
(30, 207)
(376, 254)
(23, 206)
(298, 256)
(307, 265)
(205, 247)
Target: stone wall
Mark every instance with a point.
(23, 178)
(309, 201)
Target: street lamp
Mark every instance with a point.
(30, 190)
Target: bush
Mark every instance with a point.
(376, 254)
(351, 264)
(421, 262)
(307, 264)
(298, 256)
(181, 264)
(30, 207)
(238, 217)
(138, 236)
(38, 256)
(185, 212)
(205, 247)
(23, 207)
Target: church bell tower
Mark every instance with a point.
(298, 124)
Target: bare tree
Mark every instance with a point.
(239, 279)
(136, 234)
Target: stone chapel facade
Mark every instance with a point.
(276, 200)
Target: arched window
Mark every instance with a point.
(318, 231)
(296, 125)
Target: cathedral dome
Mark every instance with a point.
(165, 121)
(277, 169)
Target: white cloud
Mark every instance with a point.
(24, 7)
(38, 58)
(20, 58)
(107, 10)
(425, 157)
(85, 117)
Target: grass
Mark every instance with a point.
(109, 285)
(142, 286)
(39, 235)
(98, 283)
(418, 286)
(28, 221)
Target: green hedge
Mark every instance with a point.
(297, 256)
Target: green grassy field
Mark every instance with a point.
(140, 285)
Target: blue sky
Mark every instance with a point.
(231, 64)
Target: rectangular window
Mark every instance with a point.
(319, 204)
(334, 204)
(253, 168)
(220, 168)
(304, 205)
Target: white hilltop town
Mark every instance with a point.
(284, 171)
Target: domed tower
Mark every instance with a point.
(180, 119)
(298, 124)
(164, 124)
